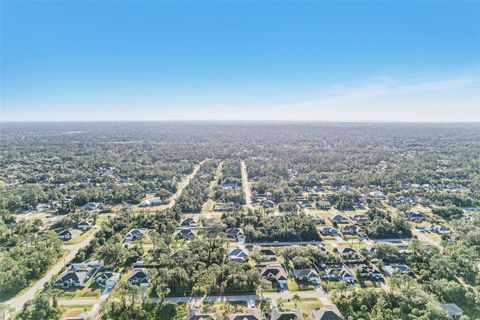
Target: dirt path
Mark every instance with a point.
(246, 186)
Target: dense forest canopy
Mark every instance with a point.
(182, 187)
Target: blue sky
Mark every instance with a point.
(354, 61)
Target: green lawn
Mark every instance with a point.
(294, 286)
(305, 306)
(224, 307)
(91, 291)
(80, 237)
(74, 311)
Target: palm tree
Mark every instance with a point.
(295, 299)
(5, 311)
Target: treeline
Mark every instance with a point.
(202, 268)
(27, 261)
(231, 173)
(450, 275)
(306, 257)
(108, 242)
(394, 305)
(385, 226)
(260, 228)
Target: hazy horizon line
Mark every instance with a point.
(235, 120)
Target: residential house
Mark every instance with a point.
(329, 312)
(202, 317)
(351, 229)
(156, 201)
(73, 278)
(77, 275)
(144, 204)
(369, 272)
(452, 310)
(347, 251)
(378, 195)
(186, 234)
(189, 222)
(319, 220)
(236, 233)
(415, 216)
(245, 316)
(224, 206)
(424, 201)
(265, 203)
(423, 228)
(367, 251)
(338, 218)
(305, 204)
(140, 277)
(268, 253)
(285, 315)
(395, 268)
(441, 229)
(92, 206)
(84, 225)
(134, 235)
(107, 279)
(361, 218)
(237, 255)
(273, 271)
(324, 205)
(306, 275)
(339, 274)
(230, 185)
(65, 235)
(328, 231)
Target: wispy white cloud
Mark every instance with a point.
(454, 98)
(388, 99)
(384, 86)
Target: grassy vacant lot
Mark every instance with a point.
(294, 286)
(208, 206)
(91, 291)
(74, 311)
(224, 307)
(80, 237)
(305, 306)
(365, 283)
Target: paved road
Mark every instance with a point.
(96, 305)
(183, 185)
(278, 243)
(319, 293)
(18, 301)
(246, 186)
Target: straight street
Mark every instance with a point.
(182, 185)
(246, 186)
